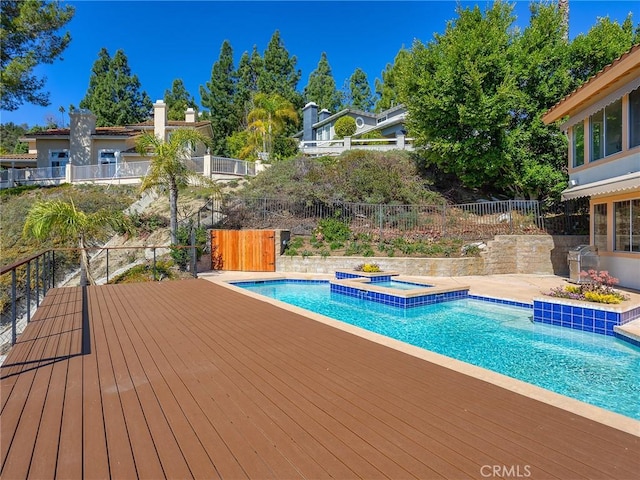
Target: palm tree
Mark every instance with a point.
(63, 218)
(168, 168)
(270, 116)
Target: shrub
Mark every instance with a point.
(332, 230)
(345, 127)
(182, 256)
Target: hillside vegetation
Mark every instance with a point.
(355, 176)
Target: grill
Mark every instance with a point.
(581, 258)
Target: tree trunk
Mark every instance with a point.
(173, 208)
(85, 274)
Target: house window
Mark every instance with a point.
(578, 144)
(108, 162)
(606, 131)
(600, 226)
(58, 160)
(634, 118)
(627, 226)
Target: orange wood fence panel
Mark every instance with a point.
(244, 250)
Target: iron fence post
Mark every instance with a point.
(53, 268)
(28, 286)
(193, 253)
(107, 265)
(38, 281)
(45, 277)
(154, 264)
(444, 219)
(510, 217)
(14, 300)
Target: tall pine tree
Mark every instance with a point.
(360, 91)
(321, 88)
(178, 99)
(217, 96)
(279, 74)
(246, 84)
(114, 94)
(387, 89)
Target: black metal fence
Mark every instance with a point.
(468, 221)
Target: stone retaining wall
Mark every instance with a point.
(506, 254)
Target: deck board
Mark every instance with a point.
(191, 380)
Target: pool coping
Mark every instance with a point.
(578, 407)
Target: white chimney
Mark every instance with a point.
(160, 119)
(190, 115)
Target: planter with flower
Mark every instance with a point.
(595, 287)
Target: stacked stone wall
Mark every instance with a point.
(506, 254)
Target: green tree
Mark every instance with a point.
(387, 89)
(168, 168)
(28, 36)
(359, 91)
(269, 118)
(279, 74)
(460, 92)
(321, 88)
(178, 99)
(10, 134)
(603, 43)
(247, 84)
(67, 221)
(114, 94)
(217, 96)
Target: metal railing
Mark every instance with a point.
(232, 166)
(337, 146)
(109, 171)
(30, 279)
(468, 221)
(12, 177)
(25, 282)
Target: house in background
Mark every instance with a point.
(84, 152)
(602, 122)
(84, 144)
(318, 135)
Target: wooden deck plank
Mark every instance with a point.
(466, 428)
(170, 453)
(222, 418)
(189, 379)
(95, 455)
(143, 446)
(117, 442)
(45, 451)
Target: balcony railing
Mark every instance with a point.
(112, 172)
(337, 146)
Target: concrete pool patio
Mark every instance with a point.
(190, 379)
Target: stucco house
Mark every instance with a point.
(318, 129)
(83, 144)
(602, 121)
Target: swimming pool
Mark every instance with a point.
(596, 369)
(399, 285)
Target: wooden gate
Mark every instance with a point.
(244, 250)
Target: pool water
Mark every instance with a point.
(596, 369)
(398, 285)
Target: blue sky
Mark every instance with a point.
(165, 40)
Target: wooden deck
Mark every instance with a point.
(189, 379)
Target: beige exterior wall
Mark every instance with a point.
(45, 145)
